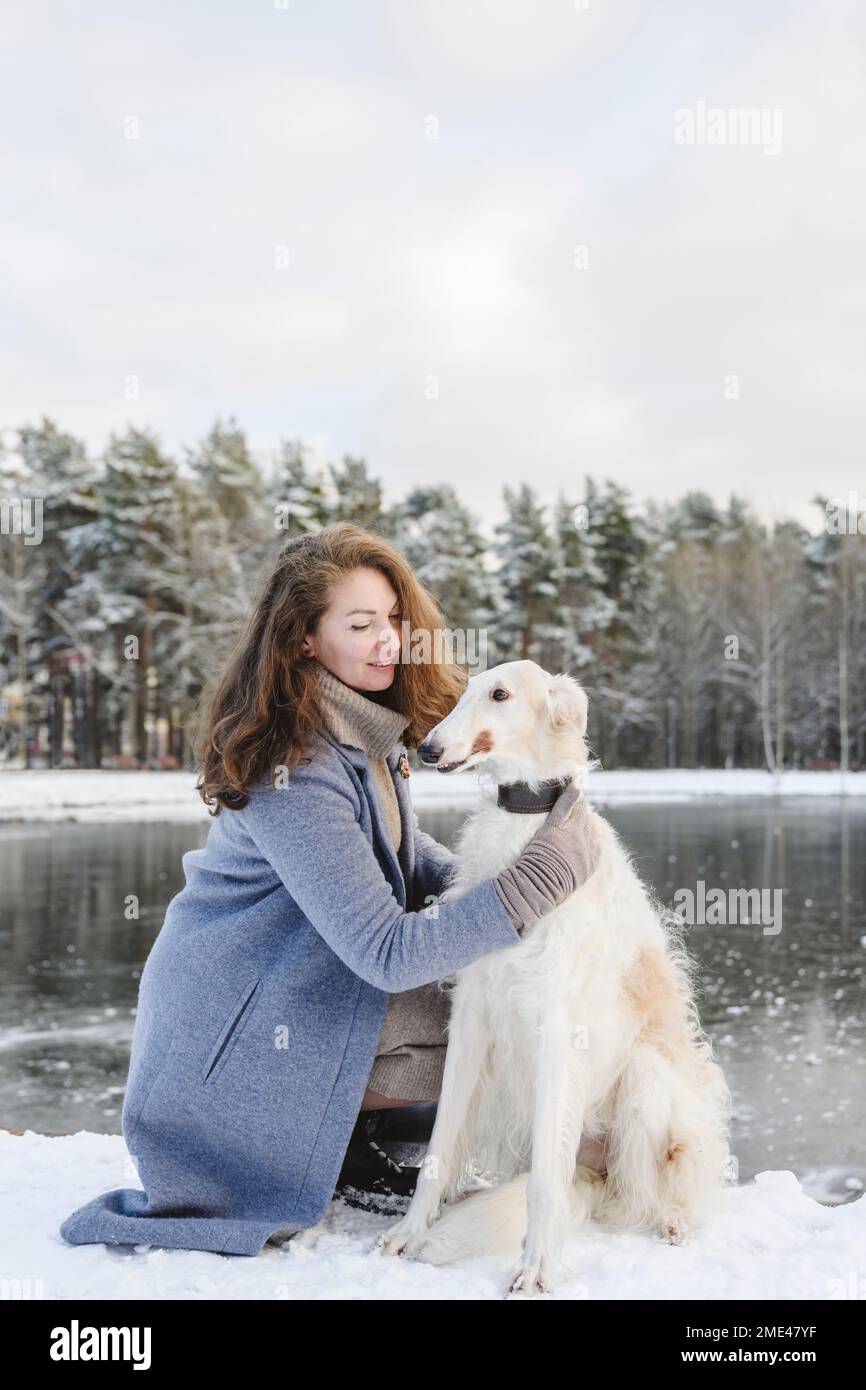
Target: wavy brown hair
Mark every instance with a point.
(262, 712)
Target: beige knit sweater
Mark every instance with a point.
(410, 1059)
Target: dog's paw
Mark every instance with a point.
(674, 1231)
(393, 1242)
(530, 1279)
(400, 1240)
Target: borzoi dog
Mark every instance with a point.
(578, 1082)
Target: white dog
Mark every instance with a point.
(578, 1078)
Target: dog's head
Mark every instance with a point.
(530, 725)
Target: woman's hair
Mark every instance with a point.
(263, 710)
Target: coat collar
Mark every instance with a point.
(402, 867)
(357, 757)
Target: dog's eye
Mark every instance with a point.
(499, 694)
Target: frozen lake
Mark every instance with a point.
(785, 1009)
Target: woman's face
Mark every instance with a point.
(360, 630)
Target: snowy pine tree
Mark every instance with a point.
(527, 627)
(443, 543)
(300, 499)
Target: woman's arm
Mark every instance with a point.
(309, 832)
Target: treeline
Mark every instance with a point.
(702, 636)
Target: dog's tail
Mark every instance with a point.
(492, 1220)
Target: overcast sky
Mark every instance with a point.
(492, 200)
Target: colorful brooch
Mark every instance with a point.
(403, 766)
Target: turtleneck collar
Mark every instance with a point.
(354, 718)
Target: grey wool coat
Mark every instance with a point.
(262, 1001)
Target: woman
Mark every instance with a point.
(265, 997)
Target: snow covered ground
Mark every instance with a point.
(773, 1242)
(139, 796)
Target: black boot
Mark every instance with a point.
(410, 1124)
(373, 1176)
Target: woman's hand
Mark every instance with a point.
(559, 859)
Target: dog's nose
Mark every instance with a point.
(430, 752)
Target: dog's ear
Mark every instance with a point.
(567, 703)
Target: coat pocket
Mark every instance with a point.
(231, 1030)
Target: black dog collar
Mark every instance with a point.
(517, 797)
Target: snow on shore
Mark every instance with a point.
(72, 795)
(773, 1242)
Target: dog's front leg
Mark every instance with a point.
(558, 1104)
(468, 1044)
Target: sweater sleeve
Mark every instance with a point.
(434, 865)
(310, 834)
